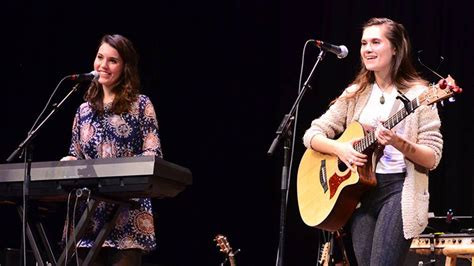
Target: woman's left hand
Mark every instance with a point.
(385, 136)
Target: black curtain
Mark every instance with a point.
(221, 75)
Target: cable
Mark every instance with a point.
(47, 103)
(294, 135)
(26, 171)
(296, 118)
(24, 212)
(67, 224)
(78, 195)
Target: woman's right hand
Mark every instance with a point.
(350, 156)
(68, 158)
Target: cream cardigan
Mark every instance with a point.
(422, 126)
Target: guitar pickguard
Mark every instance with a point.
(335, 181)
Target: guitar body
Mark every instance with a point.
(328, 191)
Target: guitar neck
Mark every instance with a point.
(396, 118)
(232, 260)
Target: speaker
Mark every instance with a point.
(11, 257)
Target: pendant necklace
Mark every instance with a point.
(382, 99)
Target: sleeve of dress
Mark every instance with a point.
(149, 129)
(429, 133)
(330, 124)
(75, 148)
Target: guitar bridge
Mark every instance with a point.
(323, 178)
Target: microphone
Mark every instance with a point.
(85, 76)
(341, 50)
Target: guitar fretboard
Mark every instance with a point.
(396, 118)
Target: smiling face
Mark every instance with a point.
(376, 50)
(109, 64)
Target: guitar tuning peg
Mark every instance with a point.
(451, 99)
(442, 103)
(443, 84)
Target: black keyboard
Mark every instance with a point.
(126, 177)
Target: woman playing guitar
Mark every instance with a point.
(396, 167)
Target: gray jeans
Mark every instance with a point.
(376, 227)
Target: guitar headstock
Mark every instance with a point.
(223, 244)
(444, 89)
(225, 248)
(324, 257)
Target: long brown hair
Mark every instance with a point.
(402, 71)
(127, 88)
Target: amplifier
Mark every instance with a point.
(430, 248)
(440, 241)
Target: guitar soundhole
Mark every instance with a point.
(341, 165)
(336, 180)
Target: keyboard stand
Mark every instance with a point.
(33, 242)
(69, 250)
(36, 232)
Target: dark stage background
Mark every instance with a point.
(221, 75)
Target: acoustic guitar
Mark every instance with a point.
(328, 191)
(225, 248)
(326, 256)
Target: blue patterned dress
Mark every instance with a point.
(104, 136)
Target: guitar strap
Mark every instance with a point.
(395, 107)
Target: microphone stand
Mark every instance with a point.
(25, 147)
(283, 131)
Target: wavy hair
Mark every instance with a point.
(127, 88)
(402, 72)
